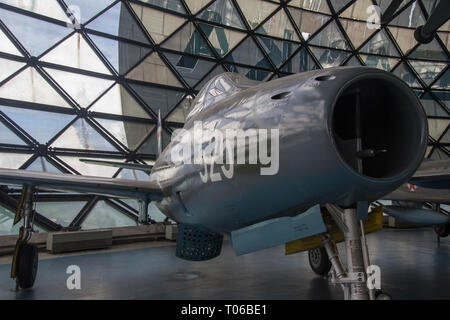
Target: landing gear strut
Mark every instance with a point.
(352, 279)
(25, 260)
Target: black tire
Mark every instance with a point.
(380, 295)
(319, 262)
(442, 230)
(27, 265)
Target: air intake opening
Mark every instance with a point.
(377, 126)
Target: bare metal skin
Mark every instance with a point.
(314, 112)
(321, 158)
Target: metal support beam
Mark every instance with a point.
(355, 260)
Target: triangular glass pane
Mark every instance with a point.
(329, 58)
(41, 125)
(358, 10)
(443, 82)
(87, 169)
(7, 221)
(196, 5)
(159, 24)
(250, 73)
(438, 154)
(308, 22)
(192, 69)
(383, 4)
(180, 113)
(436, 127)
(443, 97)
(10, 160)
(154, 70)
(9, 137)
(7, 46)
(31, 87)
(105, 216)
(41, 164)
(353, 62)
(432, 108)
(248, 53)
(172, 5)
(120, 102)
(222, 12)
(411, 17)
(358, 32)
(216, 71)
(75, 52)
(128, 133)
(151, 145)
(81, 135)
(429, 51)
(312, 5)
(61, 213)
(404, 38)
(446, 138)
(121, 55)
(279, 26)
(278, 50)
(24, 28)
(330, 37)
(383, 63)
(188, 40)
(119, 22)
(88, 9)
(339, 4)
(445, 27)
(427, 153)
(129, 174)
(8, 68)
(157, 98)
(445, 38)
(255, 11)
(223, 40)
(48, 8)
(380, 44)
(428, 71)
(404, 72)
(83, 89)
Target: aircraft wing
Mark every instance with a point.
(433, 174)
(414, 193)
(132, 166)
(84, 184)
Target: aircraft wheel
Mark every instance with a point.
(27, 265)
(443, 230)
(319, 262)
(380, 295)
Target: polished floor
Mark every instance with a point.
(413, 265)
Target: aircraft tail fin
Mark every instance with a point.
(159, 133)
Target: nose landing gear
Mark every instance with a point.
(25, 260)
(353, 279)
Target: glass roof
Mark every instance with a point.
(95, 73)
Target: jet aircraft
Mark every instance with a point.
(260, 161)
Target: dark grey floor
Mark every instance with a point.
(413, 266)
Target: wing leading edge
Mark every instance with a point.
(144, 190)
